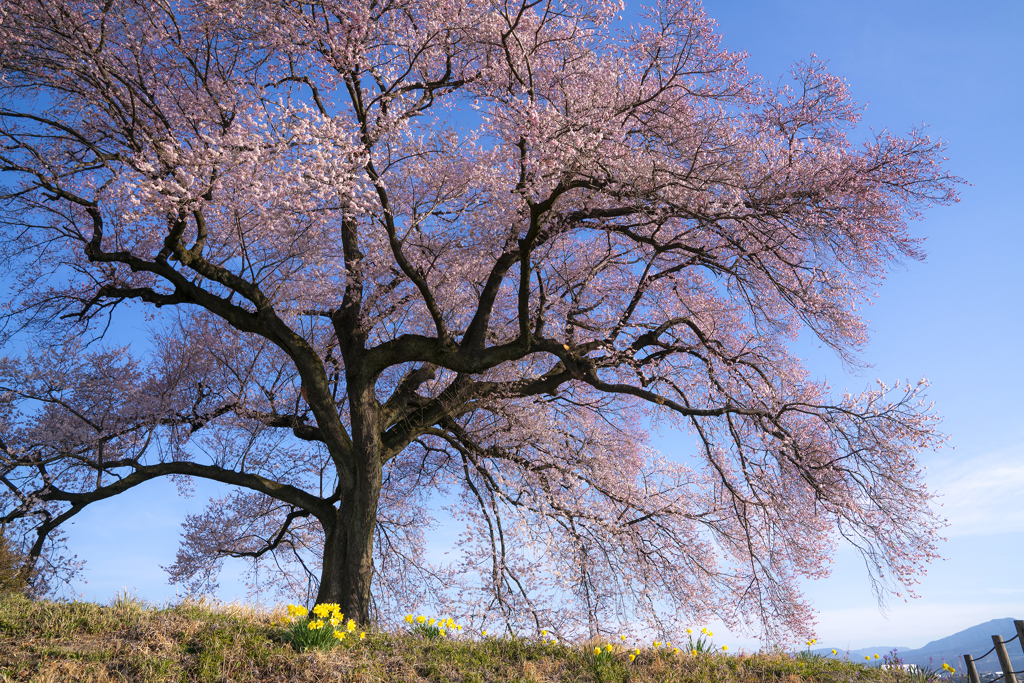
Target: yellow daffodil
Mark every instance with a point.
(623, 638)
(420, 619)
(484, 632)
(710, 634)
(431, 622)
(833, 650)
(351, 625)
(632, 657)
(408, 618)
(637, 650)
(597, 650)
(876, 656)
(689, 631)
(657, 644)
(362, 635)
(693, 652)
(314, 625)
(340, 635)
(867, 657)
(725, 647)
(608, 647)
(544, 632)
(675, 651)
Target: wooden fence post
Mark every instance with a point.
(1004, 659)
(1019, 625)
(972, 672)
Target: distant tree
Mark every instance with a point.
(393, 250)
(11, 578)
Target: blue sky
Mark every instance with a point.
(956, 319)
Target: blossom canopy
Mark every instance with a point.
(395, 250)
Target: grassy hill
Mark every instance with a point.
(54, 642)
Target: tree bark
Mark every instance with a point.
(348, 538)
(348, 550)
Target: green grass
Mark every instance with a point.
(57, 642)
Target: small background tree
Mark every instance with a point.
(12, 576)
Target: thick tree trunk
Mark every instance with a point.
(348, 543)
(348, 551)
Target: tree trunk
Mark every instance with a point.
(348, 551)
(348, 542)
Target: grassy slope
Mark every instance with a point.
(127, 641)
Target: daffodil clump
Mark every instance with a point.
(807, 655)
(325, 629)
(603, 655)
(432, 628)
(703, 644)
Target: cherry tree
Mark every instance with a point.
(399, 256)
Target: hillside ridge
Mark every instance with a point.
(975, 641)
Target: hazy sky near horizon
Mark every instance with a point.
(956, 319)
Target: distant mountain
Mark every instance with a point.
(974, 641)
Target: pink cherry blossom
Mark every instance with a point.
(418, 254)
